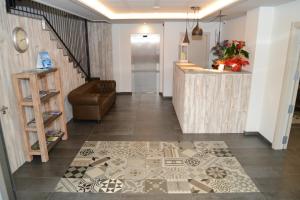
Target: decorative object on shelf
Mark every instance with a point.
(44, 60)
(43, 112)
(235, 57)
(183, 53)
(20, 39)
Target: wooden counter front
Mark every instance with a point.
(209, 101)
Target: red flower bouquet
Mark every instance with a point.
(234, 56)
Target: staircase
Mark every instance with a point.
(67, 30)
(46, 26)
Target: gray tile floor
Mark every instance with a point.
(149, 117)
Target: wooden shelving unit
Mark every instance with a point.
(43, 113)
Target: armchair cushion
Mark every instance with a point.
(106, 86)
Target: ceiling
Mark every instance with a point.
(241, 8)
(128, 11)
(140, 6)
(76, 8)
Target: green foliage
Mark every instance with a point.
(245, 53)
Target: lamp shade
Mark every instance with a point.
(197, 31)
(186, 38)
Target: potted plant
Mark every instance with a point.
(218, 52)
(234, 57)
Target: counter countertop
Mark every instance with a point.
(190, 68)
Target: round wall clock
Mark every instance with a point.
(20, 39)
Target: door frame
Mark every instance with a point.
(160, 67)
(289, 90)
(8, 187)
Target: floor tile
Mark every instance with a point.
(33, 195)
(152, 118)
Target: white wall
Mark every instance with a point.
(172, 37)
(122, 51)
(258, 39)
(170, 33)
(234, 29)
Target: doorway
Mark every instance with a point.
(145, 63)
(6, 181)
(296, 115)
(288, 108)
(293, 136)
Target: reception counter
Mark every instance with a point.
(210, 101)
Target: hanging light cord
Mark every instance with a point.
(189, 26)
(220, 21)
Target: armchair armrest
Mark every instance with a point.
(84, 99)
(105, 86)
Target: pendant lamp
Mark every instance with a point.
(186, 37)
(197, 31)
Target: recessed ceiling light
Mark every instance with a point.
(212, 7)
(156, 7)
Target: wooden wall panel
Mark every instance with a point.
(12, 62)
(100, 46)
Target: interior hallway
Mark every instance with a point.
(147, 117)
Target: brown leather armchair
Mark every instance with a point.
(93, 100)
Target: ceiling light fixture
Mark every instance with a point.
(197, 31)
(206, 10)
(186, 37)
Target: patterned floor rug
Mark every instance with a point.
(155, 167)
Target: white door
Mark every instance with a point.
(289, 91)
(295, 87)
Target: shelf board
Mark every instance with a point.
(52, 144)
(35, 152)
(38, 72)
(51, 119)
(47, 122)
(28, 102)
(29, 129)
(35, 147)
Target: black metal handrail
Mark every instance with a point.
(67, 49)
(38, 12)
